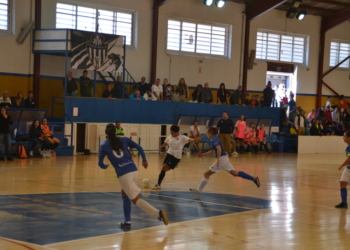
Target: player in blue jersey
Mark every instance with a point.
(345, 178)
(116, 149)
(222, 162)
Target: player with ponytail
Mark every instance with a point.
(116, 149)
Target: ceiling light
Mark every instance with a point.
(301, 14)
(295, 3)
(220, 3)
(291, 13)
(208, 2)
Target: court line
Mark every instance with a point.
(17, 243)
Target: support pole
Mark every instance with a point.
(36, 85)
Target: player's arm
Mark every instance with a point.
(218, 154)
(346, 162)
(204, 154)
(133, 144)
(100, 159)
(163, 146)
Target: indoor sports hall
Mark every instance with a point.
(69, 68)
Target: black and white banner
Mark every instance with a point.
(95, 51)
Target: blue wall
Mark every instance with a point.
(152, 112)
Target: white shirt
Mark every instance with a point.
(157, 89)
(328, 103)
(301, 122)
(176, 145)
(195, 131)
(147, 98)
(8, 100)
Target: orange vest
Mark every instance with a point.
(43, 129)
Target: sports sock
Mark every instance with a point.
(126, 208)
(245, 176)
(344, 195)
(201, 186)
(148, 208)
(161, 177)
(55, 145)
(266, 148)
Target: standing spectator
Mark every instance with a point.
(291, 102)
(299, 123)
(136, 96)
(328, 113)
(240, 128)
(142, 86)
(165, 87)
(109, 92)
(158, 90)
(328, 102)
(269, 94)
(225, 126)
(197, 94)
(311, 115)
(236, 97)
(29, 102)
(167, 93)
(5, 122)
(223, 94)
(118, 87)
(175, 95)
(85, 85)
(343, 103)
(207, 95)
(336, 115)
(293, 114)
(118, 129)
(183, 90)
(19, 101)
(148, 96)
(195, 132)
(72, 86)
(5, 100)
(246, 101)
(35, 136)
(320, 113)
(285, 100)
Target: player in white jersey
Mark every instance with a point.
(222, 162)
(116, 149)
(176, 143)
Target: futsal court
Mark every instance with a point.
(70, 203)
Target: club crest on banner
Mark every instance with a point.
(97, 50)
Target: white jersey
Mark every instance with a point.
(176, 145)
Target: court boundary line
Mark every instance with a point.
(22, 243)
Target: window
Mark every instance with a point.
(339, 51)
(189, 38)
(281, 47)
(5, 16)
(85, 18)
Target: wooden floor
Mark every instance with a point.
(302, 190)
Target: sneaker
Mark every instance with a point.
(31, 152)
(9, 158)
(52, 153)
(40, 151)
(163, 217)
(195, 191)
(157, 187)
(235, 153)
(257, 181)
(125, 224)
(342, 205)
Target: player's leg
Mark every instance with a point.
(127, 211)
(170, 162)
(343, 191)
(246, 176)
(203, 183)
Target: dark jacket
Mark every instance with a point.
(269, 94)
(226, 126)
(314, 130)
(111, 93)
(236, 98)
(5, 124)
(21, 105)
(197, 96)
(207, 95)
(142, 87)
(85, 86)
(71, 86)
(320, 114)
(29, 103)
(35, 133)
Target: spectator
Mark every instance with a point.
(253, 102)
(5, 100)
(175, 95)
(165, 87)
(158, 90)
(293, 114)
(118, 129)
(285, 100)
(320, 114)
(261, 102)
(197, 94)
(291, 102)
(72, 86)
(85, 85)
(142, 86)
(19, 101)
(47, 134)
(236, 97)
(29, 102)
(316, 128)
(342, 114)
(149, 96)
(223, 94)
(136, 96)
(109, 92)
(347, 119)
(183, 90)
(240, 128)
(35, 136)
(300, 123)
(328, 113)
(118, 87)
(311, 115)
(283, 118)
(167, 93)
(5, 122)
(269, 94)
(340, 128)
(328, 102)
(343, 103)
(207, 95)
(246, 101)
(261, 137)
(225, 126)
(336, 115)
(195, 132)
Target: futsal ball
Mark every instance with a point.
(146, 183)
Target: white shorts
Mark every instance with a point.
(128, 184)
(224, 164)
(346, 175)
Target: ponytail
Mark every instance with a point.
(115, 142)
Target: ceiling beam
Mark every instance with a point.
(159, 3)
(260, 7)
(335, 19)
(342, 4)
(311, 8)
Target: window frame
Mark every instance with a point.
(338, 41)
(280, 34)
(134, 20)
(10, 19)
(228, 37)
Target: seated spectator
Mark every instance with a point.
(19, 101)
(300, 123)
(167, 93)
(250, 138)
(29, 102)
(118, 129)
(347, 119)
(311, 115)
(316, 128)
(197, 94)
(5, 101)
(330, 127)
(246, 100)
(261, 101)
(320, 114)
(85, 85)
(35, 137)
(236, 97)
(223, 94)
(261, 138)
(253, 102)
(47, 134)
(142, 86)
(342, 114)
(195, 132)
(328, 113)
(109, 92)
(149, 96)
(158, 90)
(136, 96)
(5, 123)
(175, 95)
(207, 95)
(336, 115)
(72, 87)
(340, 128)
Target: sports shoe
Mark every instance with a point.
(342, 205)
(31, 152)
(195, 191)
(157, 187)
(52, 153)
(235, 153)
(125, 224)
(40, 151)
(257, 181)
(163, 217)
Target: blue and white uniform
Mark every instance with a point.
(123, 164)
(346, 172)
(224, 162)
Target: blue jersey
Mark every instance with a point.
(121, 161)
(215, 141)
(347, 153)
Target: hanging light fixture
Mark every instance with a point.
(301, 14)
(295, 3)
(292, 12)
(208, 2)
(220, 3)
